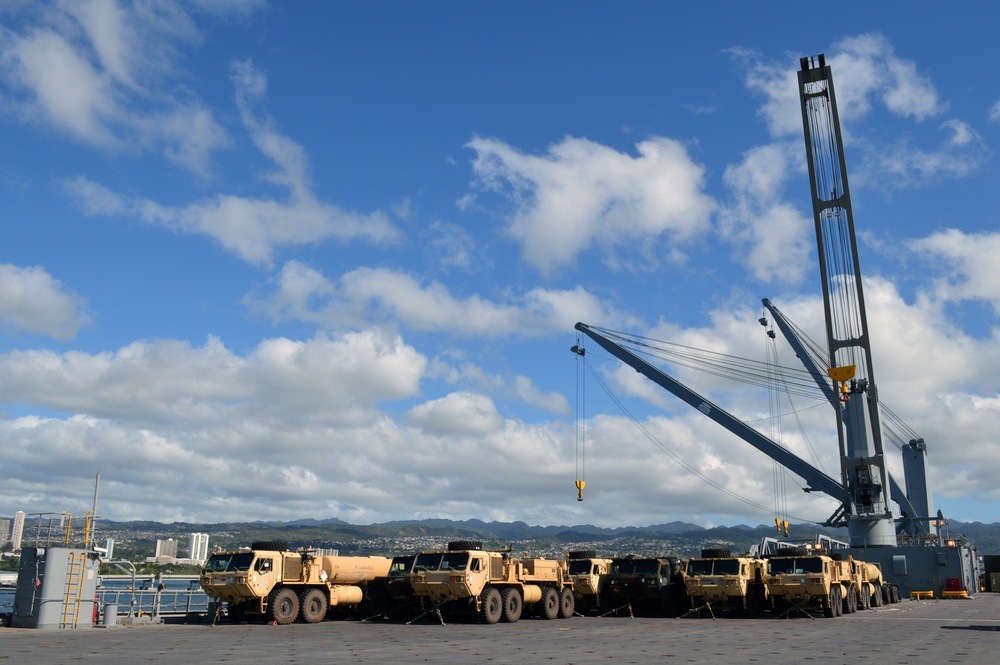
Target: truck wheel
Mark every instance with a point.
(836, 601)
(716, 553)
(283, 605)
(269, 545)
(458, 545)
(492, 603)
(866, 598)
(314, 605)
(549, 605)
(513, 604)
(567, 603)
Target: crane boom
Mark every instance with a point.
(817, 480)
(896, 491)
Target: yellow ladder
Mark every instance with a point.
(74, 589)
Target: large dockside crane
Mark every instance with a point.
(923, 562)
(863, 469)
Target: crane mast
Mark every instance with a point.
(865, 477)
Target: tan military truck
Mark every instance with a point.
(647, 586)
(804, 580)
(719, 580)
(875, 590)
(589, 574)
(269, 581)
(491, 586)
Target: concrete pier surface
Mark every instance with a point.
(913, 631)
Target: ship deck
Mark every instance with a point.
(913, 631)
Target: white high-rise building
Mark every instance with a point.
(4, 532)
(18, 532)
(199, 547)
(166, 549)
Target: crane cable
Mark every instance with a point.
(581, 418)
(677, 458)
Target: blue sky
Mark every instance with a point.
(276, 261)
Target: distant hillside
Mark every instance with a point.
(681, 538)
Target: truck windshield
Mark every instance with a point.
(727, 567)
(795, 566)
(400, 566)
(579, 567)
(699, 567)
(218, 563)
(636, 567)
(438, 561)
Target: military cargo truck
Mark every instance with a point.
(268, 581)
(721, 581)
(589, 574)
(492, 586)
(804, 580)
(647, 586)
(875, 590)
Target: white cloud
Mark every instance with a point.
(368, 294)
(772, 238)
(970, 261)
(457, 413)
(867, 72)
(530, 394)
(581, 194)
(331, 380)
(31, 300)
(995, 112)
(102, 72)
(252, 229)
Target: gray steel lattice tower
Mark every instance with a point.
(866, 502)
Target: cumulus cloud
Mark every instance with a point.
(251, 228)
(369, 294)
(970, 262)
(582, 194)
(457, 413)
(772, 238)
(103, 73)
(336, 380)
(868, 74)
(32, 301)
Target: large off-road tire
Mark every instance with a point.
(850, 601)
(492, 605)
(567, 603)
(313, 605)
(283, 605)
(716, 553)
(866, 598)
(755, 601)
(837, 600)
(830, 605)
(513, 604)
(269, 545)
(582, 554)
(458, 545)
(548, 606)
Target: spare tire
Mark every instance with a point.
(582, 554)
(716, 553)
(270, 545)
(465, 545)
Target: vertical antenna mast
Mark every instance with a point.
(865, 479)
